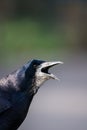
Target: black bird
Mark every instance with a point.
(17, 91)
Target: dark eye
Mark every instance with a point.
(34, 66)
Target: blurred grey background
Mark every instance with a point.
(49, 30)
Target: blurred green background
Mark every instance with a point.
(41, 29)
(49, 30)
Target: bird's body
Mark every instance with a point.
(17, 91)
(14, 104)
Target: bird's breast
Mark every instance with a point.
(21, 104)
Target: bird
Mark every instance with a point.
(18, 88)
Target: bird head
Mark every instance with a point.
(37, 72)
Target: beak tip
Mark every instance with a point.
(60, 62)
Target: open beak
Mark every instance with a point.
(46, 65)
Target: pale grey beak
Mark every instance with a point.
(46, 65)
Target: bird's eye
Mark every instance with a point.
(34, 66)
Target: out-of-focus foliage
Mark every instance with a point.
(42, 27)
